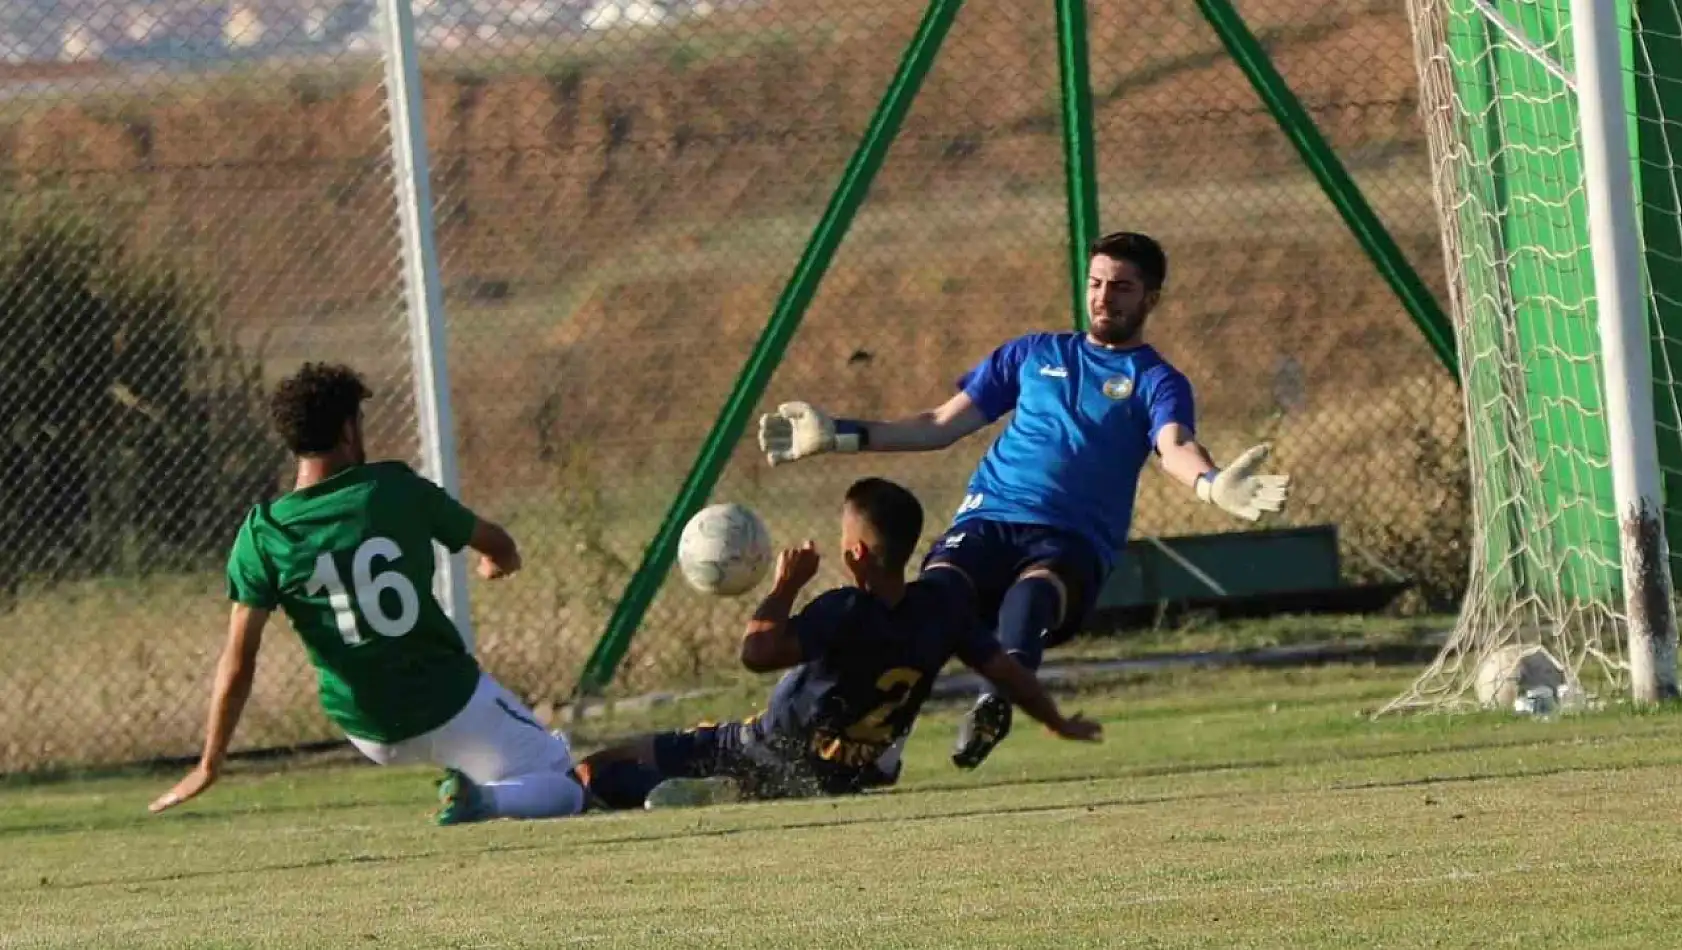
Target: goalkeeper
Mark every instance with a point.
(1051, 501)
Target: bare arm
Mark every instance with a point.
(798, 430)
(1239, 489)
(500, 555)
(1182, 457)
(234, 673)
(1018, 684)
(935, 429)
(769, 644)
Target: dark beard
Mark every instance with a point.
(1118, 330)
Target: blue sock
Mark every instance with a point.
(623, 784)
(1026, 615)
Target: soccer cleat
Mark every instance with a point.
(692, 792)
(984, 727)
(875, 776)
(459, 800)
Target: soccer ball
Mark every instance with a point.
(725, 550)
(1513, 671)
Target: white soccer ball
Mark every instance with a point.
(725, 550)
(1513, 671)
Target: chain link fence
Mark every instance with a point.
(197, 198)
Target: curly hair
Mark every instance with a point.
(310, 408)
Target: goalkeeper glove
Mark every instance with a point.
(1239, 491)
(799, 429)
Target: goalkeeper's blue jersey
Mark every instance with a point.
(1086, 420)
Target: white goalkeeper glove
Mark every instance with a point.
(1239, 491)
(797, 430)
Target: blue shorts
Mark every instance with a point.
(995, 553)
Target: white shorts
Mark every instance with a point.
(494, 738)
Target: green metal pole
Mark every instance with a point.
(762, 362)
(1317, 154)
(1080, 166)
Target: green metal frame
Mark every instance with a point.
(1334, 180)
(785, 320)
(1080, 162)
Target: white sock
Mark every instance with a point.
(547, 794)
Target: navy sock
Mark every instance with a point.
(623, 784)
(1027, 613)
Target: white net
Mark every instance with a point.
(1502, 119)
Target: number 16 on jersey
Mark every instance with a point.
(370, 588)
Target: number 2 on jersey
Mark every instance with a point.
(369, 587)
(897, 684)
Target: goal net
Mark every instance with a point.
(1500, 93)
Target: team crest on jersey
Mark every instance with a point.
(1118, 387)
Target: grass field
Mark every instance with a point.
(1226, 809)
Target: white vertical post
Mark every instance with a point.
(1615, 246)
(411, 169)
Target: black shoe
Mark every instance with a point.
(984, 727)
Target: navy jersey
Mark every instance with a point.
(868, 667)
(1086, 420)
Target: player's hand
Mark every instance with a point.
(490, 570)
(1239, 491)
(199, 779)
(797, 566)
(794, 431)
(1079, 728)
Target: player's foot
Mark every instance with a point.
(692, 792)
(875, 776)
(984, 727)
(459, 800)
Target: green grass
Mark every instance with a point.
(1226, 809)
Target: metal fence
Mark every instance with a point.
(198, 197)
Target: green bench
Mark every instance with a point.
(1235, 574)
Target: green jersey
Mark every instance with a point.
(350, 560)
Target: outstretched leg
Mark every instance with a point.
(621, 776)
(689, 767)
(1031, 609)
(499, 761)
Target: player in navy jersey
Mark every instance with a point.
(862, 660)
(1050, 504)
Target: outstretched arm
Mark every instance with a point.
(1238, 489)
(935, 429)
(1017, 684)
(988, 391)
(1183, 457)
(234, 674)
(797, 430)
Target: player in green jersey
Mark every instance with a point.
(348, 556)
